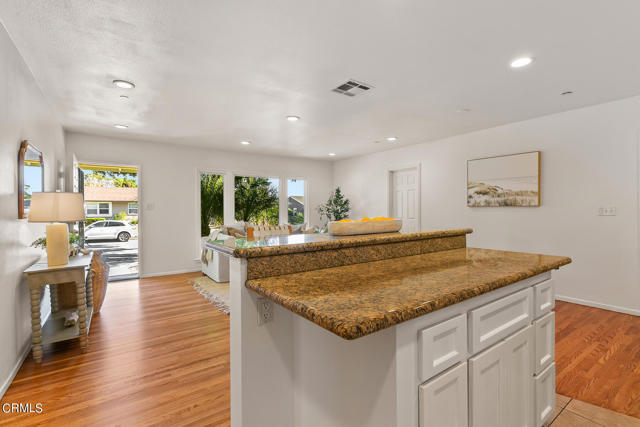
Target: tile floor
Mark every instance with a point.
(574, 413)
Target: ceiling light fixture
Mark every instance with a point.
(521, 62)
(120, 126)
(245, 142)
(293, 118)
(123, 84)
(332, 154)
(392, 138)
(462, 110)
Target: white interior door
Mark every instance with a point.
(405, 200)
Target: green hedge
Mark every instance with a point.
(89, 221)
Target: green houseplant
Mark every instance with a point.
(336, 208)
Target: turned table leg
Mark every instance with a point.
(53, 294)
(82, 316)
(89, 287)
(36, 338)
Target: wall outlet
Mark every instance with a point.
(265, 311)
(607, 211)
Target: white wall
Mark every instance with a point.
(24, 114)
(169, 181)
(589, 159)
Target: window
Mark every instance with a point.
(99, 224)
(257, 200)
(132, 209)
(211, 202)
(98, 209)
(295, 201)
(115, 224)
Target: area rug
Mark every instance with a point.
(214, 292)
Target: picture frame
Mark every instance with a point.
(510, 180)
(30, 176)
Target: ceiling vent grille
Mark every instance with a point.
(353, 88)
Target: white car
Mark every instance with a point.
(110, 229)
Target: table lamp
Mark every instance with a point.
(57, 208)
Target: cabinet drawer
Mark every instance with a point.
(497, 320)
(443, 400)
(544, 297)
(442, 346)
(545, 384)
(545, 341)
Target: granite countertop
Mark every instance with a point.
(359, 299)
(296, 243)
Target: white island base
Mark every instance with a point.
(484, 362)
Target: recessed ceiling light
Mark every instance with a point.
(245, 142)
(462, 110)
(521, 62)
(568, 92)
(124, 98)
(120, 126)
(123, 84)
(392, 138)
(293, 118)
(332, 154)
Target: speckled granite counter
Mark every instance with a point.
(307, 252)
(359, 299)
(298, 243)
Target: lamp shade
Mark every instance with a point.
(56, 207)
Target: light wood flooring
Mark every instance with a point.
(159, 355)
(598, 357)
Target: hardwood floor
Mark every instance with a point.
(158, 354)
(598, 357)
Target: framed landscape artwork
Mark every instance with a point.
(510, 180)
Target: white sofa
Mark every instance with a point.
(215, 264)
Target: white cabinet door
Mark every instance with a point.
(545, 330)
(544, 297)
(497, 320)
(545, 394)
(501, 383)
(443, 400)
(442, 346)
(518, 396)
(486, 373)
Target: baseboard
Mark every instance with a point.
(169, 273)
(599, 305)
(7, 382)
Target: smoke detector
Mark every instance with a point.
(353, 88)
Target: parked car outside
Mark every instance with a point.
(111, 230)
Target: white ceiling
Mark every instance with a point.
(212, 73)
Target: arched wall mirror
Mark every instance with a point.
(30, 176)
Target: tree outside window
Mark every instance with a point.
(256, 200)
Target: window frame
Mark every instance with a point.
(129, 208)
(266, 176)
(98, 214)
(229, 207)
(305, 195)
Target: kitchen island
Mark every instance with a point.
(390, 330)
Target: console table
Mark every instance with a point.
(39, 275)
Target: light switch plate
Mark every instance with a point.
(607, 211)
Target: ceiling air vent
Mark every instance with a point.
(352, 88)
